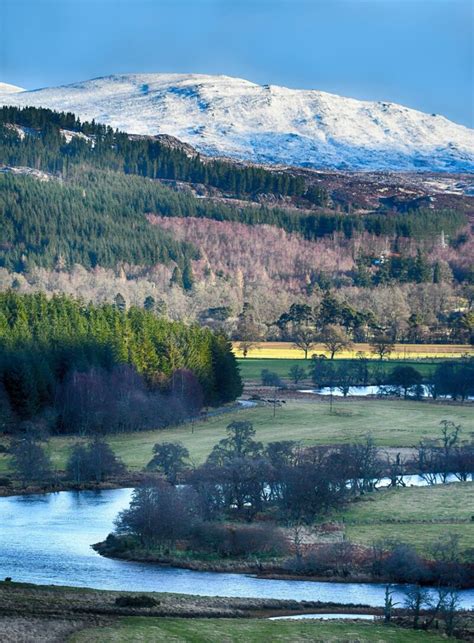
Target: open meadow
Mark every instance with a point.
(83, 615)
(392, 423)
(418, 516)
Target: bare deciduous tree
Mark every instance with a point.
(335, 339)
(382, 345)
(305, 339)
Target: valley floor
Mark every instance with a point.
(392, 423)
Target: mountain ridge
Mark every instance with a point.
(7, 88)
(226, 116)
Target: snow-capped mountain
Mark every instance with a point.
(5, 88)
(223, 116)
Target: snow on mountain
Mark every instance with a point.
(223, 116)
(5, 88)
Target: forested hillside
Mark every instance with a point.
(86, 368)
(89, 211)
(53, 141)
(93, 220)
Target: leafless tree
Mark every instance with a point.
(416, 598)
(449, 607)
(382, 345)
(305, 339)
(335, 339)
(30, 461)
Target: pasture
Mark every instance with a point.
(418, 516)
(392, 423)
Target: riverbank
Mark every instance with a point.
(305, 390)
(423, 518)
(263, 568)
(53, 613)
(269, 569)
(128, 480)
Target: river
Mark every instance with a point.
(46, 539)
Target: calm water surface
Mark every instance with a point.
(46, 539)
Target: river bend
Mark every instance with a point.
(46, 539)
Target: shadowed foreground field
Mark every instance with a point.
(53, 614)
(148, 630)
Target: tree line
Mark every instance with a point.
(77, 367)
(44, 146)
(336, 324)
(453, 379)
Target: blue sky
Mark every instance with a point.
(415, 52)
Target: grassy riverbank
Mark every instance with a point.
(392, 423)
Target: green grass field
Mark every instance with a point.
(416, 515)
(251, 367)
(395, 423)
(176, 630)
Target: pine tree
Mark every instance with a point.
(176, 278)
(149, 303)
(187, 278)
(120, 302)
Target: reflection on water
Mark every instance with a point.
(46, 539)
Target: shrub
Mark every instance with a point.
(269, 378)
(136, 601)
(332, 558)
(403, 565)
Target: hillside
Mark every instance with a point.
(5, 88)
(93, 212)
(223, 116)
